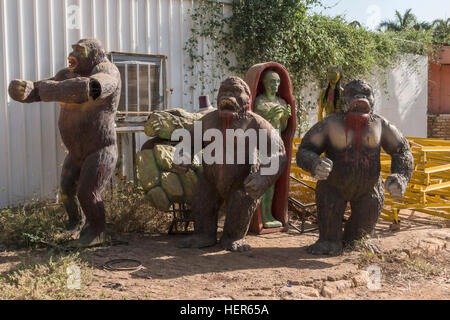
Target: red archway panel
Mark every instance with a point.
(280, 201)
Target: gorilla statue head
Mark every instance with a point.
(358, 97)
(234, 97)
(86, 54)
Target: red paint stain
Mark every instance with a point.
(227, 119)
(357, 122)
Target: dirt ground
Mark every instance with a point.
(414, 264)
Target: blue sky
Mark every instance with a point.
(371, 12)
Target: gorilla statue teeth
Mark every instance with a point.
(240, 186)
(89, 92)
(350, 171)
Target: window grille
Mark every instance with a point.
(144, 83)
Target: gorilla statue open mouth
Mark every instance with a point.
(358, 97)
(73, 63)
(229, 105)
(361, 105)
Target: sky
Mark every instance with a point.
(371, 12)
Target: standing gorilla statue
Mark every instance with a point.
(239, 184)
(350, 172)
(89, 92)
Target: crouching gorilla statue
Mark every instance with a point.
(240, 184)
(89, 92)
(350, 172)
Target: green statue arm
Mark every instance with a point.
(286, 115)
(278, 116)
(259, 110)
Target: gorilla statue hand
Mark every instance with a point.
(322, 168)
(395, 187)
(255, 186)
(19, 90)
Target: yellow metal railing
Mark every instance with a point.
(428, 190)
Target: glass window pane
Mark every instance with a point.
(144, 87)
(155, 87)
(121, 68)
(132, 88)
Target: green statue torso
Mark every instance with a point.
(265, 107)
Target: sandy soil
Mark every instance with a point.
(278, 267)
(414, 262)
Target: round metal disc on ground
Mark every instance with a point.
(130, 265)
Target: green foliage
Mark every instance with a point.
(306, 44)
(128, 210)
(441, 31)
(44, 277)
(440, 28)
(38, 223)
(206, 47)
(24, 225)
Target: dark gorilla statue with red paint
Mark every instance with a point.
(239, 184)
(89, 92)
(350, 171)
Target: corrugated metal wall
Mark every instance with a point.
(35, 39)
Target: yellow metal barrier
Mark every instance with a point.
(428, 190)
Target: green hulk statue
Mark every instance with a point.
(275, 110)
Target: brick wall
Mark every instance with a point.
(439, 126)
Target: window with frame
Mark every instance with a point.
(144, 83)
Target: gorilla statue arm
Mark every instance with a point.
(75, 90)
(26, 91)
(263, 175)
(402, 164)
(312, 146)
(90, 74)
(267, 173)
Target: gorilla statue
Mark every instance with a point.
(350, 171)
(240, 184)
(88, 91)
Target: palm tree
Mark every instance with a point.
(401, 22)
(423, 26)
(441, 25)
(355, 24)
(442, 31)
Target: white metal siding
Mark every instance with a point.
(35, 39)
